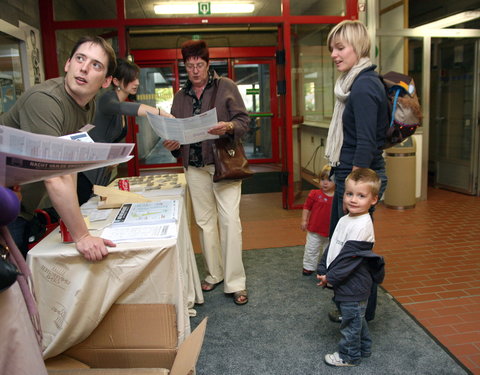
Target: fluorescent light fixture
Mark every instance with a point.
(232, 8)
(452, 20)
(193, 8)
(176, 8)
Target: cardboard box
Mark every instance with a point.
(63, 362)
(134, 338)
(112, 371)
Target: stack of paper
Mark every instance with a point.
(144, 222)
(163, 211)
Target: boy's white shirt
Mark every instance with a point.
(356, 228)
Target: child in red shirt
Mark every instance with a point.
(316, 221)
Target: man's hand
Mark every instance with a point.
(93, 248)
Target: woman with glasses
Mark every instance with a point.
(215, 205)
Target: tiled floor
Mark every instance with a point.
(432, 254)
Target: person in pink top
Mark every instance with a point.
(316, 221)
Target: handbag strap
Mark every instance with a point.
(24, 281)
(214, 93)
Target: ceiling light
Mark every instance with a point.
(452, 20)
(204, 8)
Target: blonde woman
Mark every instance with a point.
(359, 122)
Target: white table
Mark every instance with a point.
(74, 295)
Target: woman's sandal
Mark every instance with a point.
(208, 287)
(240, 297)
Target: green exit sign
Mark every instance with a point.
(204, 8)
(253, 91)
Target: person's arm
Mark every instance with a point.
(365, 101)
(144, 109)
(110, 104)
(62, 193)
(335, 275)
(232, 113)
(305, 217)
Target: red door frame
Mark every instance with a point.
(121, 24)
(235, 56)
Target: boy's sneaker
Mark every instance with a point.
(306, 272)
(335, 360)
(335, 316)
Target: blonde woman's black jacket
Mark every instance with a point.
(352, 272)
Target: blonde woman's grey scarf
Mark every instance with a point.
(342, 92)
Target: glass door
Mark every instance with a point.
(157, 87)
(454, 114)
(256, 82)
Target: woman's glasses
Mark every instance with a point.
(198, 66)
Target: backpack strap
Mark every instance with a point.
(395, 100)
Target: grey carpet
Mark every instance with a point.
(284, 329)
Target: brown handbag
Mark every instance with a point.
(230, 160)
(229, 155)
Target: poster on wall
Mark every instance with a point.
(34, 53)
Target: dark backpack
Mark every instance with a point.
(405, 113)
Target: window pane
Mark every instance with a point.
(253, 81)
(11, 81)
(313, 79)
(313, 74)
(145, 9)
(318, 8)
(84, 10)
(156, 90)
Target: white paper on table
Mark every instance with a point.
(185, 130)
(147, 213)
(164, 192)
(138, 233)
(97, 215)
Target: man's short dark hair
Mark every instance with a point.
(195, 48)
(98, 40)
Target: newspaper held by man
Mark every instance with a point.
(28, 157)
(185, 130)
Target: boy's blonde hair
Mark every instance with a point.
(366, 176)
(352, 32)
(325, 172)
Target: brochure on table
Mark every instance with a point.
(164, 211)
(144, 221)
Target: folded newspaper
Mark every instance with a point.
(28, 157)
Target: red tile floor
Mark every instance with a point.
(432, 253)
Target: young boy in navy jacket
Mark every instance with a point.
(350, 267)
